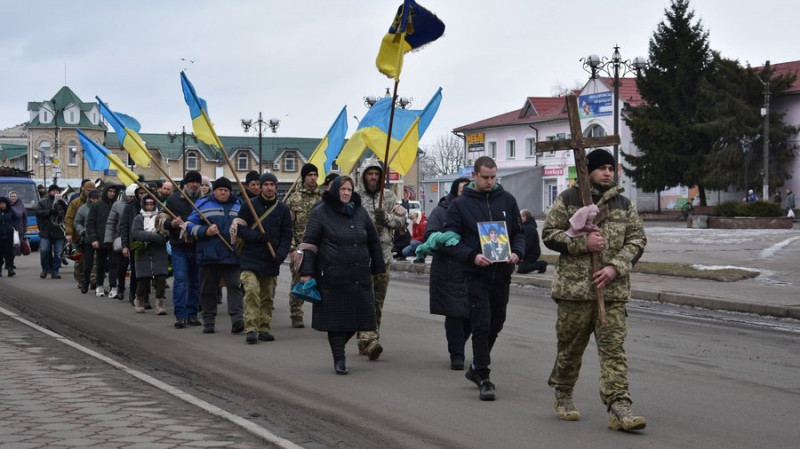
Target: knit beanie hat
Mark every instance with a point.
(222, 182)
(308, 168)
(598, 158)
(252, 175)
(53, 187)
(329, 178)
(192, 176)
(268, 177)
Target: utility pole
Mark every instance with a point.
(765, 114)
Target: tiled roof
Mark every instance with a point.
(63, 98)
(535, 110)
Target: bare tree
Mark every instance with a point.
(560, 89)
(445, 156)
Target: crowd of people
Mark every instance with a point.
(343, 236)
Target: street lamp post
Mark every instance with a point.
(615, 67)
(183, 134)
(273, 124)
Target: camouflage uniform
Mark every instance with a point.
(386, 230)
(258, 294)
(574, 293)
(300, 204)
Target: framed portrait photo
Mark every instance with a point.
(494, 240)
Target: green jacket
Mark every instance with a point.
(622, 231)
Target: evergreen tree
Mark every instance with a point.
(672, 149)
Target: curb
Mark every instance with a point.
(676, 298)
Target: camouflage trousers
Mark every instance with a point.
(259, 291)
(380, 284)
(78, 272)
(577, 321)
(295, 304)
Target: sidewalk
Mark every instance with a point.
(773, 253)
(53, 395)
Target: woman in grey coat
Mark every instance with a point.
(149, 245)
(341, 250)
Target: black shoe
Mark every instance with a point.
(180, 323)
(56, 276)
(64, 261)
(1, 273)
(147, 306)
(208, 328)
(340, 367)
(84, 288)
(486, 390)
(251, 338)
(93, 286)
(237, 327)
(11, 273)
(265, 336)
(457, 365)
(43, 274)
(193, 321)
(472, 376)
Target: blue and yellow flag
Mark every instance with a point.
(331, 145)
(127, 130)
(413, 27)
(408, 127)
(201, 123)
(101, 158)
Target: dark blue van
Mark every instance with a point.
(13, 179)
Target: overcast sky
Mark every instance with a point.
(301, 60)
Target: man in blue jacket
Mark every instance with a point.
(217, 262)
(259, 268)
(487, 283)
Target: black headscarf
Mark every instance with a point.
(454, 186)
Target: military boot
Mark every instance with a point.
(620, 417)
(565, 406)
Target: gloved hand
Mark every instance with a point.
(380, 216)
(262, 238)
(277, 260)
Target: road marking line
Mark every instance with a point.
(769, 252)
(248, 425)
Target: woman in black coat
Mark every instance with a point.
(341, 250)
(448, 296)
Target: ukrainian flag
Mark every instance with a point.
(331, 145)
(127, 129)
(201, 123)
(407, 128)
(413, 27)
(101, 158)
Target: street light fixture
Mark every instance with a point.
(615, 67)
(183, 134)
(273, 124)
(402, 102)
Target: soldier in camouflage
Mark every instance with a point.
(300, 204)
(387, 218)
(619, 241)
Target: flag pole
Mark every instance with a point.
(189, 200)
(388, 142)
(286, 195)
(239, 182)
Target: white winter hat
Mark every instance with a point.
(131, 190)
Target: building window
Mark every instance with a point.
(289, 162)
(334, 167)
(511, 149)
(130, 162)
(242, 161)
(72, 116)
(72, 153)
(530, 147)
(191, 160)
(492, 150)
(595, 131)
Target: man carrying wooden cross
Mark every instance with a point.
(615, 242)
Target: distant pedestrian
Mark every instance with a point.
(419, 222)
(49, 218)
(22, 215)
(341, 250)
(619, 241)
(95, 236)
(447, 293)
(533, 250)
(149, 247)
(79, 224)
(8, 221)
(789, 203)
(751, 197)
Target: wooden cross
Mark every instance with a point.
(578, 144)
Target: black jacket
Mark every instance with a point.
(532, 249)
(463, 216)
(45, 210)
(98, 216)
(180, 207)
(255, 256)
(349, 254)
(448, 295)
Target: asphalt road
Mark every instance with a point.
(703, 380)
